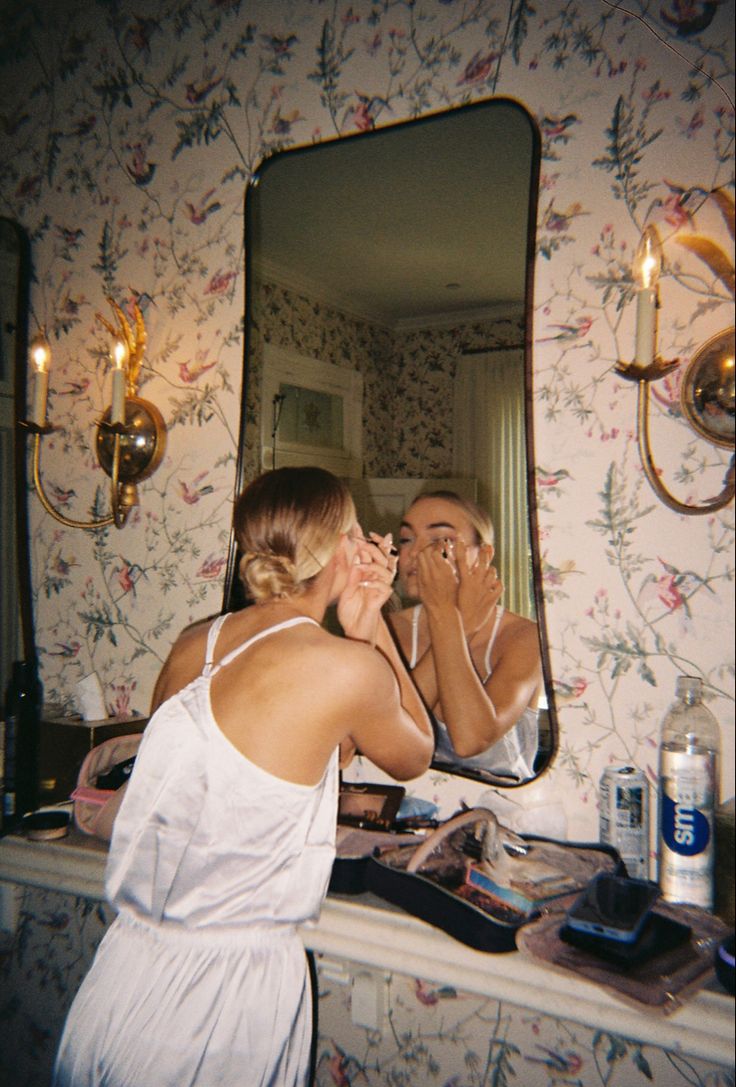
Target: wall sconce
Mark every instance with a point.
(131, 435)
(707, 390)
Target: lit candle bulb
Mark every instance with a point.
(120, 358)
(647, 266)
(40, 353)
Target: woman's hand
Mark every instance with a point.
(437, 576)
(479, 588)
(369, 587)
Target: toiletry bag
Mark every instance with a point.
(107, 765)
(480, 882)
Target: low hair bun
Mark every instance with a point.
(265, 574)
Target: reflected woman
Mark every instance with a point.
(477, 666)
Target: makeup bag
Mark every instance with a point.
(108, 764)
(480, 882)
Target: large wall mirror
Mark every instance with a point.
(388, 284)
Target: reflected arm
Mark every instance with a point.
(477, 715)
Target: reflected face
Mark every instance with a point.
(430, 522)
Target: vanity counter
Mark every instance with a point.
(363, 933)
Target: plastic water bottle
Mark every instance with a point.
(689, 758)
(22, 722)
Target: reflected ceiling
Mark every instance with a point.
(451, 253)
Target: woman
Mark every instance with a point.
(477, 666)
(225, 839)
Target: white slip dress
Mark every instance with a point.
(513, 755)
(202, 977)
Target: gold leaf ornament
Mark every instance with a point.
(135, 341)
(713, 256)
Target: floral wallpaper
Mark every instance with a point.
(129, 133)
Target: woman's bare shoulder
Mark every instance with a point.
(517, 628)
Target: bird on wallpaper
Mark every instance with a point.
(64, 649)
(84, 125)
(74, 388)
(559, 221)
(567, 1064)
(555, 129)
(571, 690)
(569, 333)
(140, 169)
(551, 479)
(192, 492)
(128, 574)
(139, 34)
(195, 94)
(688, 17)
(367, 110)
(430, 996)
(281, 124)
(189, 372)
(280, 46)
(478, 68)
(198, 213)
(63, 497)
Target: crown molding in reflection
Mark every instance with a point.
(346, 303)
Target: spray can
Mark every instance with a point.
(624, 816)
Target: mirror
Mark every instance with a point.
(16, 615)
(387, 298)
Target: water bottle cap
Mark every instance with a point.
(692, 685)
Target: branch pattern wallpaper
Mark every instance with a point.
(129, 133)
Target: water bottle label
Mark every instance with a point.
(686, 827)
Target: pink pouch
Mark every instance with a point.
(95, 809)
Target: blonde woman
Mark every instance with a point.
(225, 839)
(477, 665)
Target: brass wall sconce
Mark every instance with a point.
(707, 390)
(131, 435)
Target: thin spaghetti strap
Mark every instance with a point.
(257, 637)
(492, 639)
(212, 636)
(414, 635)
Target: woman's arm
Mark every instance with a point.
(456, 598)
(393, 728)
(477, 715)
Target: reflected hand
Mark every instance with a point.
(369, 587)
(479, 587)
(437, 576)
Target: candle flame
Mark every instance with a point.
(40, 353)
(648, 259)
(120, 354)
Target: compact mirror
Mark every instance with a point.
(386, 329)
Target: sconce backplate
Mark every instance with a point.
(142, 445)
(707, 394)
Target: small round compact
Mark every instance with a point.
(725, 963)
(44, 826)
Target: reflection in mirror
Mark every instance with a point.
(387, 300)
(16, 625)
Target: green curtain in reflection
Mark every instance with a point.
(490, 446)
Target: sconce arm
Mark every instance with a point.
(118, 515)
(650, 470)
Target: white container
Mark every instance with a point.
(689, 765)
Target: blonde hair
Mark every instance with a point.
(480, 521)
(288, 523)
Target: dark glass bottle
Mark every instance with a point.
(22, 714)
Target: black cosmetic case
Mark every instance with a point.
(444, 879)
